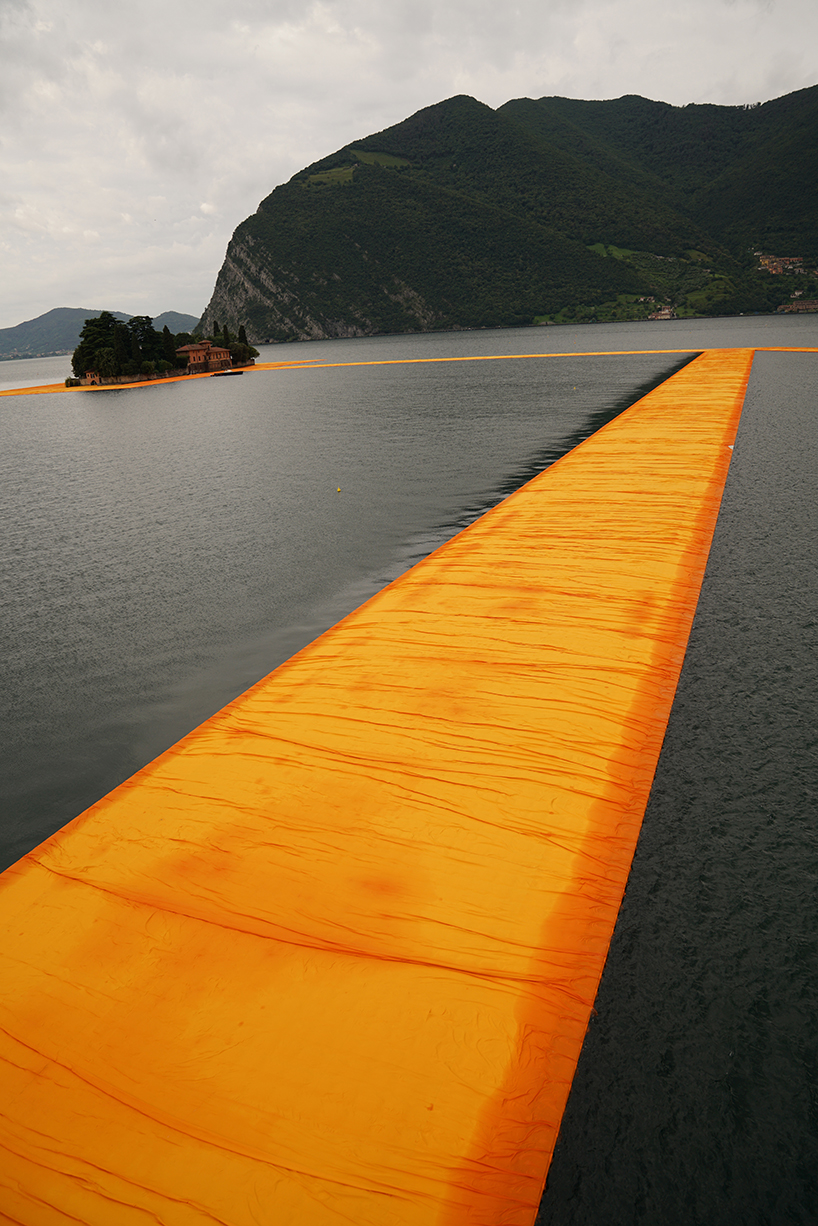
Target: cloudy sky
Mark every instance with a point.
(136, 134)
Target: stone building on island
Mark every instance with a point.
(204, 356)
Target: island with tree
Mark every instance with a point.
(113, 352)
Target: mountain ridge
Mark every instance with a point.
(58, 331)
(549, 209)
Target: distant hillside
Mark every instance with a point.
(463, 217)
(58, 331)
(175, 322)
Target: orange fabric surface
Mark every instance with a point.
(303, 363)
(329, 961)
(508, 357)
(41, 390)
(307, 363)
(478, 357)
(48, 388)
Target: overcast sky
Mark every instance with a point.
(136, 134)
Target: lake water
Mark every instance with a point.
(34, 372)
(163, 548)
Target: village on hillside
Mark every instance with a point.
(789, 265)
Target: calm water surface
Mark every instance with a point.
(162, 549)
(34, 372)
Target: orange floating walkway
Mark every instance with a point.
(317, 364)
(44, 389)
(329, 961)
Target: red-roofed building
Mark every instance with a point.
(202, 356)
(777, 264)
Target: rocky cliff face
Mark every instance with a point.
(367, 242)
(248, 290)
(277, 303)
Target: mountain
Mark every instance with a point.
(175, 321)
(462, 216)
(58, 331)
(746, 175)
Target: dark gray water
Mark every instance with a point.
(163, 549)
(696, 1096)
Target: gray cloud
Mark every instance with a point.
(135, 137)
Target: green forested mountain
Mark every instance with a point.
(463, 217)
(746, 175)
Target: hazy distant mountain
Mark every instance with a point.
(462, 217)
(175, 321)
(58, 331)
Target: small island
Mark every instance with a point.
(111, 352)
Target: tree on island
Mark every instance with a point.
(112, 348)
(241, 351)
(97, 335)
(122, 346)
(169, 346)
(106, 362)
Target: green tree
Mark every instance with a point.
(225, 337)
(122, 348)
(168, 347)
(243, 335)
(148, 339)
(97, 334)
(240, 355)
(105, 363)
